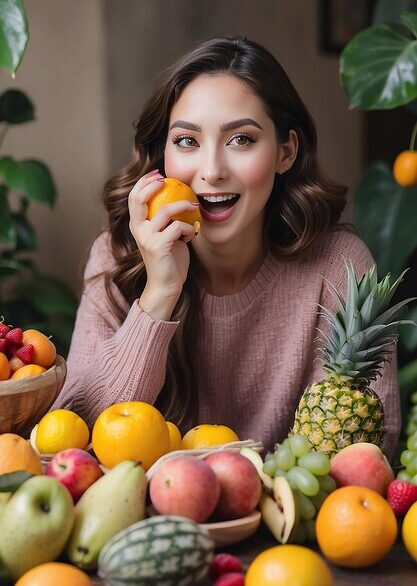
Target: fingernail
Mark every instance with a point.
(161, 179)
(194, 204)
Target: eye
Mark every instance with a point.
(241, 140)
(184, 141)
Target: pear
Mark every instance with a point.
(257, 461)
(35, 524)
(280, 510)
(112, 503)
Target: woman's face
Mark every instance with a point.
(222, 143)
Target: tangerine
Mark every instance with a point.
(405, 168)
(16, 453)
(59, 430)
(207, 435)
(175, 190)
(288, 564)
(409, 531)
(44, 351)
(133, 430)
(27, 370)
(355, 527)
(54, 573)
(4, 367)
(174, 437)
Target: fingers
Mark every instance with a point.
(178, 230)
(165, 214)
(147, 186)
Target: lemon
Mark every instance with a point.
(174, 436)
(409, 531)
(59, 430)
(207, 435)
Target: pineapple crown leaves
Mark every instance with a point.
(363, 327)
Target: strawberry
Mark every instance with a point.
(25, 353)
(231, 579)
(400, 496)
(3, 329)
(3, 345)
(15, 336)
(224, 563)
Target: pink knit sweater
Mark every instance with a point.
(256, 347)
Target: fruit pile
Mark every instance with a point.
(301, 483)
(24, 353)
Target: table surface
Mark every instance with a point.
(396, 569)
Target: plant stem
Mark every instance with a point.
(3, 131)
(413, 138)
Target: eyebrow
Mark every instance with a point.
(224, 127)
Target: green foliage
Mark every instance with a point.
(28, 298)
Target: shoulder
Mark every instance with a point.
(335, 249)
(101, 258)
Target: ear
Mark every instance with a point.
(287, 153)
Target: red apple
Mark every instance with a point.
(76, 469)
(240, 485)
(362, 464)
(185, 486)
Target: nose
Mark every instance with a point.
(212, 167)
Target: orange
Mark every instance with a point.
(207, 435)
(16, 453)
(130, 431)
(286, 565)
(59, 430)
(44, 351)
(4, 367)
(174, 437)
(409, 531)
(27, 370)
(355, 527)
(174, 190)
(405, 169)
(54, 574)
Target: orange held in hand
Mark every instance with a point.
(16, 453)
(54, 574)
(355, 527)
(174, 190)
(130, 431)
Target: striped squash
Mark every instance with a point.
(162, 550)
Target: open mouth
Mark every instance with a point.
(218, 204)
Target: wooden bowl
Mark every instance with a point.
(24, 402)
(226, 533)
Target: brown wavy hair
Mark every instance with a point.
(303, 204)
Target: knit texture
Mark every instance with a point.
(257, 347)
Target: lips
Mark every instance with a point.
(217, 211)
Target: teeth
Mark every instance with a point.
(216, 198)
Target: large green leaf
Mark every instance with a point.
(385, 215)
(14, 33)
(50, 295)
(30, 177)
(7, 229)
(15, 107)
(378, 67)
(11, 481)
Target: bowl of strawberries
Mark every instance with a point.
(31, 377)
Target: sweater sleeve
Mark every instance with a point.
(109, 361)
(347, 247)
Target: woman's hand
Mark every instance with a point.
(162, 244)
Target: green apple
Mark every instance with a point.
(35, 524)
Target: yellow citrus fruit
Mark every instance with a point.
(59, 430)
(27, 370)
(16, 453)
(288, 564)
(409, 531)
(44, 351)
(4, 367)
(207, 435)
(54, 573)
(355, 527)
(175, 190)
(130, 431)
(405, 169)
(174, 437)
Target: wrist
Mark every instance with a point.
(157, 304)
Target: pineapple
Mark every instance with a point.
(342, 409)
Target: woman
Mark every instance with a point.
(219, 327)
